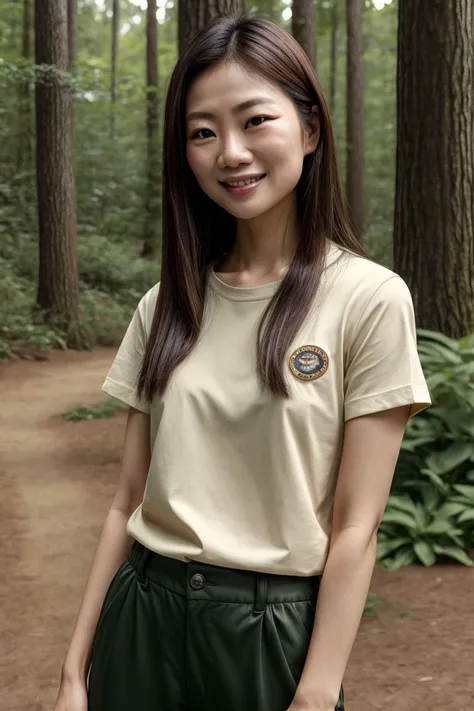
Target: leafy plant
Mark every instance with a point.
(420, 532)
(430, 513)
(104, 409)
(461, 506)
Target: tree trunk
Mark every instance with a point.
(334, 54)
(434, 207)
(25, 149)
(72, 32)
(113, 63)
(58, 292)
(193, 15)
(153, 197)
(303, 21)
(355, 116)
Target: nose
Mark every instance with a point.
(233, 153)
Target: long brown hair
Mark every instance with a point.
(197, 231)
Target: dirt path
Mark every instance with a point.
(56, 481)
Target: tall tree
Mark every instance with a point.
(72, 32)
(113, 63)
(334, 54)
(355, 115)
(434, 211)
(303, 23)
(153, 203)
(193, 15)
(25, 108)
(58, 292)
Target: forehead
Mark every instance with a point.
(228, 84)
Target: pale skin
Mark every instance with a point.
(267, 138)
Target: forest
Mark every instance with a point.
(82, 94)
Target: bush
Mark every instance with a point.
(431, 509)
(20, 325)
(113, 278)
(115, 268)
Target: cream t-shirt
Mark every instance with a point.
(239, 477)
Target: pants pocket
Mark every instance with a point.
(111, 595)
(293, 623)
(294, 626)
(106, 630)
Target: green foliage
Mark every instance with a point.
(113, 279)
(420, 531)
(430, 513)
(372, 604)
(115, 269)
(104, 409)
(20, 324)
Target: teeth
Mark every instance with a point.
(242, 182)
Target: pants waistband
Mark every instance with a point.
(201, 581)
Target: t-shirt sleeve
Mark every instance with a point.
(122, 379)
(383, 367)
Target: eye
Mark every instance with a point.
(202, 133)
(258, 120)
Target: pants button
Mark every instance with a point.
(197, 581)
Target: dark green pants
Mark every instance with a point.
(176, 636)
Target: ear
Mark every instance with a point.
(312, 132)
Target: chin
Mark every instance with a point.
(245, 212)
(247, 209)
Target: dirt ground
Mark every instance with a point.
(56, 482)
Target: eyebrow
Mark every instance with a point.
(256, 101)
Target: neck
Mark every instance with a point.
(266, 244)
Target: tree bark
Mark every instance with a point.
(153, 197)
(355, 116)
(72, 32)
(113, 63)
(25, 148)
(58, 291)
(193, 15)
(303, 22)
(334, 54)
(434, 206)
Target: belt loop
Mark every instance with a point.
(261, 590)
(145, 555)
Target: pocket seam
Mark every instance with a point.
(110, 602)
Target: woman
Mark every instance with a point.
(270, 375)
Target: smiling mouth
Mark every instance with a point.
(242, 183)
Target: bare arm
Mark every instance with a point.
(370, 452)
(114, 543)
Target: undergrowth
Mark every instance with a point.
(113, 278)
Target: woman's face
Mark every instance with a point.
(243, 128)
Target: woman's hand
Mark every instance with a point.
(72, 696)
(309, 706)
(310, 700)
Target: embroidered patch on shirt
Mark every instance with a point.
(309, 362)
